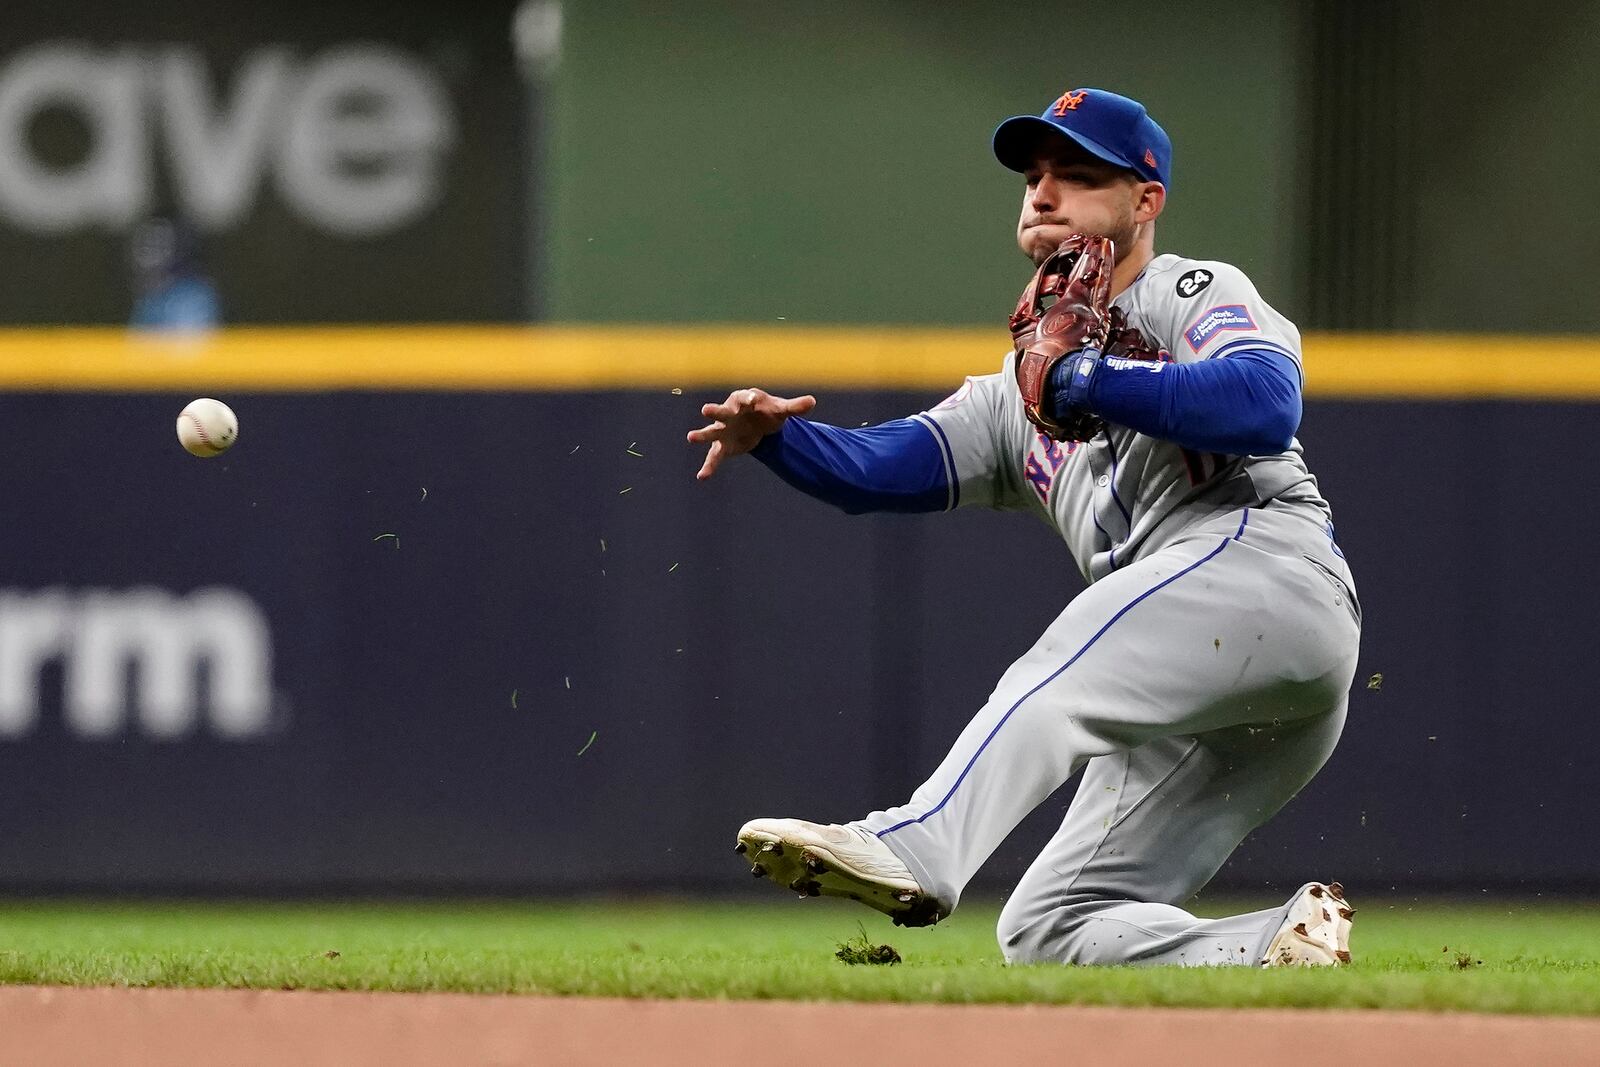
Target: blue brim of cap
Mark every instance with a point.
(1016, 138)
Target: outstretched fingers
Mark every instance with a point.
(713, 458)
(739, 423)
(738, 402)
(706, 433)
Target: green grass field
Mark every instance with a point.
(1535, 957)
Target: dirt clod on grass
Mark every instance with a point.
(860, 949)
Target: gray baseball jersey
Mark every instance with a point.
(1198, 683)
(1124, 493)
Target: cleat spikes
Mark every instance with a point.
(811, 859)
(741, 848)
(1315, 930)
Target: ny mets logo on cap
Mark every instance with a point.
(1112, 128)
(1069, 100)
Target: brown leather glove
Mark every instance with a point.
(1064, 310)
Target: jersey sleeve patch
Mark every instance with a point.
(1217, 319)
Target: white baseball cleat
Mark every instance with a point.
(814, 859)
(1316, 930)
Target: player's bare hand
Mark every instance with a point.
(740, 422)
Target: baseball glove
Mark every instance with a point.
(1064, 311)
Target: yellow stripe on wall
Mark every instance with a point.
(801, 358)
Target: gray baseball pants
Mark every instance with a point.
(1198, 689)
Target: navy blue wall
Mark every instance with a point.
(735, 649)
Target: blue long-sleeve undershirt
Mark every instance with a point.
(1244, 404)
(894, 466)
(1247, 403)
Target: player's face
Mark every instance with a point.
(1070, 191)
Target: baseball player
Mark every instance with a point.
(1148, 413)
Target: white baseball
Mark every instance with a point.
(207, 427)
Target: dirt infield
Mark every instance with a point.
(50, 1026)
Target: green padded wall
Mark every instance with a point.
(820, 162)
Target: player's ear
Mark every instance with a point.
(1152, 199)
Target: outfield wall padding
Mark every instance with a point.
(571, 667)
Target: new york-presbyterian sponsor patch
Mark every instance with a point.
(1226, 317)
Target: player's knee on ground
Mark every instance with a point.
(1028, 934)
(1061, 933)
(1012, 939)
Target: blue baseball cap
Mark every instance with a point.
(1111, 127)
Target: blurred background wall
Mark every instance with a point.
(1362, 161)
(455, 616)
(352, 162)
(832, 164)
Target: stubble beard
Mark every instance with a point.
(1124, 233)
(1123, 236)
